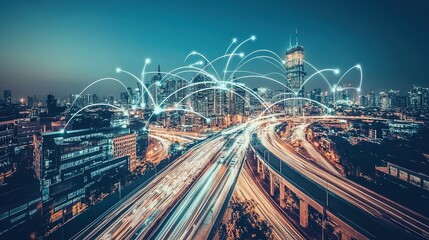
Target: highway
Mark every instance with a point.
(299, 134)
(391, 213)
(138, 212)
(178, 134)
(195, 215)
(248, 188)
(158, 149)
(173, 138)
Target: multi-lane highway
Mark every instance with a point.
(158, 149)
(391, 213)
(298, 133)
(138, 212)
(177, 135)
(195, 215)
(184, 201)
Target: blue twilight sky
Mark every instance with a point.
(60, 47)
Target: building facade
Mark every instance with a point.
(72, 162)
(295, 77)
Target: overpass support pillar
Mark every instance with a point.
(345, 236)
(263, 171)
(282, 195)
(303, 213)
(272, 186)
(258, 165)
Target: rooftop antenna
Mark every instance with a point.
(290, 40)
(296, 35)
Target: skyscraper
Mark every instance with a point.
(7, 94)
(419, 98)
(295, 74)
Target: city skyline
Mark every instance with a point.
(76, 35)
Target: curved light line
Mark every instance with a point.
(143, 86)
(143, 83)
(265, 77)
(195, 68)
(323, 76)
(217, 59)
(91, 105)
(230, 45)
(219, 88)
(346, 88)
(314, 74)
(209, 82)
(341, 78)
(99, 80)
(255, 58)
(259, 74)
(283, 93)
(182, 88)
(172, 75)
(204, 57)
(293, 98)
(229, 59)
(185, 110)
(263, 50)
(175, 109)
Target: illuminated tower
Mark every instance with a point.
(295, 75)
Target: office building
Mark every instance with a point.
(72, 162)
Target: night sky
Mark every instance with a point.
(61, 47)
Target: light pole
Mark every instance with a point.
(62, 227)
(120, 197)
(268, 156)
(324, 211)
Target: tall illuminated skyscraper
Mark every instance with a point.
(295, 75)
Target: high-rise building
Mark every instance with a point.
(363, 101)
(7, 95)
(51, 103)
(392, 94)
(166, 90)
(402, 102)
(295, 74)
(238, 105)
(372, 100)
(7, 129)
(201, 100)
(125, 98)
(419, 98)
(316, 95)
(180, 83)
(384, 101)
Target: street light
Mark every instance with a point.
(324, 210)
(62, 227)
(120, 197)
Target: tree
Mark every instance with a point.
(244, 223)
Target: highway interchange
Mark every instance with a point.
(184, 201)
